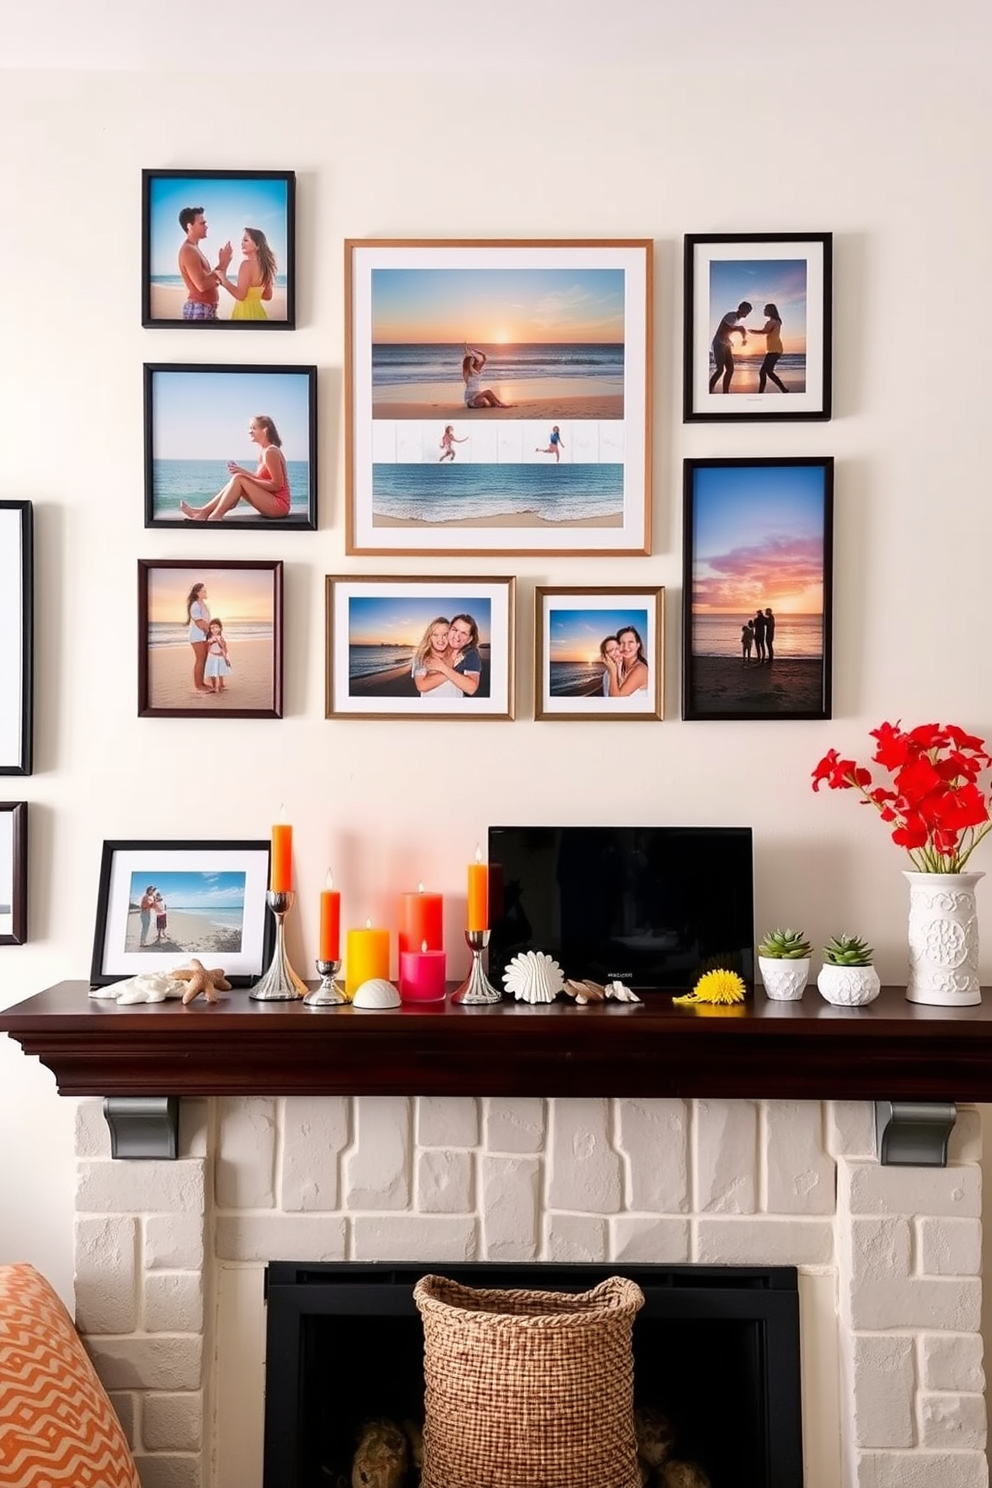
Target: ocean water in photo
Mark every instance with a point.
(176, 281)
(557, 493)
(176, 633)
(397, 365)
(575, 679)
(791, 365)
(196, 481)
(795, 635)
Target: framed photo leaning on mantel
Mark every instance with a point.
(757, 586)
(13, 872)
(16, 637)
(160, 902)
(599, 653)
(420, 647)
(498, 396)
(757, 326)
(218, 249)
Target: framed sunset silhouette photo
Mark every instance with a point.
(497, 396)
(757, 588)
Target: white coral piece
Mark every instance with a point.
(149, 986)
(620, 993)
(376, 993)
(534, 977)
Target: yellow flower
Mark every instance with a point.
(715, 987)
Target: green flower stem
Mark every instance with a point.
(928, 859)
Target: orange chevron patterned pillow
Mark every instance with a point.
(57, 1426)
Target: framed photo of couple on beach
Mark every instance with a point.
(599, 653)
(757, 588)
(13, 872)
(757, 326)
(16, 636)
(230, 446)
(420, 647)
(498, 396)
(209, 639)
(218, 248)
(161, 901)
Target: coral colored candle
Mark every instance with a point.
(478, 895)
(422, 975)
(368, 957)
(281, 871)
(330, 921)
(421, 917)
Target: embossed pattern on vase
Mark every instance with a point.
(943, 939)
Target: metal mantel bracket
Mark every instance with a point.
(913, 1133)
(143, 1125)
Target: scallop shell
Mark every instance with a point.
(533, 977)
(376, 993)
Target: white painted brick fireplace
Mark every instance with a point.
(170, 1255)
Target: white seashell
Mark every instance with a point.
(149, 986)
(620, 993)
(533, 977)
(376, 993)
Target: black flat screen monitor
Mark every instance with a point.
(652, 907)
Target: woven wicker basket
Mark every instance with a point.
(528, 1389)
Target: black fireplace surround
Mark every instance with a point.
(715, 1347)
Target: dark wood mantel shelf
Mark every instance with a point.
(807, 1050)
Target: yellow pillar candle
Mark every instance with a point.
(367, 957)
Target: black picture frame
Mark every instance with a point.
(175, 397)
(13, 872)
(207, 930)
(731, 508)
(17, 632)
(236, 199)
(255, 686)
(788, 273)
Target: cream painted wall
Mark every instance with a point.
(877, 140)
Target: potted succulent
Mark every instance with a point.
(783, 960)
(847, 977)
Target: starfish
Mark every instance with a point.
(199, 979)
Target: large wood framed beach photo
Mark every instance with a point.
(16, 636)
(498, 396)
(599, 653)
(209, 638)
(420, 647)
(13, 872)
(159, 903)
(218, 248)
(757, 326)
(757, 587)
(230, 446)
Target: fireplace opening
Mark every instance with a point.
(716, 1351)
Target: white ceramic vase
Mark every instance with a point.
(848, 986)
(785, 981)
(943, 939)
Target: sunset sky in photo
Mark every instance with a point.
(782, 281)
(384, 620)
(575, 635)
(494, 307)
(233, 593)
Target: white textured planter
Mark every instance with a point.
(785, 981)
(848, 986)
(943, 939)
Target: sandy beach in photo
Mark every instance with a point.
(166, 302)
(578, 406)
(745, 380)
(728, 684)
(187, 933)
(250, 685)
(397, 682)
(517, 519)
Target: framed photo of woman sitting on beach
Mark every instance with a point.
(599, 653)
(218, 248)
(498, 396)
(230, 446)
(159, 903)
(419, 647)
(209, 638)
(757, 326)
(757, 587)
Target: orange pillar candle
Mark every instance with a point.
(368, 957)
(330, 921)
(478, 894)
(281, 871)
(421, 917)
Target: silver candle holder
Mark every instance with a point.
(328, 994)
(280, 982)
(476, 990)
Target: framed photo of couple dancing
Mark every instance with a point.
(599, 653)
(218, 248)
(16, 636)
(757, 327)
(757, 588)
(498, 396)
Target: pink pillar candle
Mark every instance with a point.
(422, 975)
